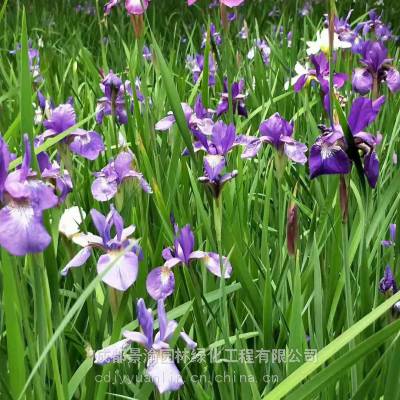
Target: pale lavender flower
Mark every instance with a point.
(160, 281)
(87, 144)
(24, 198)
(114, 174)
(121, 250)
(278, 132)
(160, 365)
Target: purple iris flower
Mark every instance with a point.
(198, 119)
(34, 61)
(277, 132)
(382, 31)
(214, 164)
(392, 232)
(306, 9)
(237, 99)
(147, 55)
(113, 101)
(215, 36)
(123, 273)
(319, 74)
(196, 65)
(264, 50)
(24, 197)
(329, 154)
(160, 365)
(51, 172)
(87, 144)
(114, 174)
(388, 282)
(377, 67)
(217, 145)
(221, 140)
(161, 282)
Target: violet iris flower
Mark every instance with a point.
(377, 67)
(52, 173)
(114, 174)
(160, 365)
(319, 74)
(277, 132)
(160, 281)
(133, 7)
(113, 101)
(34, 61)
(215, 36)
(123, 273)
(24, 197)
(222, 140)
(264, 50)
(196, 65)
(382, 31)
(86, 144)
(198, 119)
(388, 282)
(392, 232)
(237, 99)
(147, 55)
(329, 153)
(214, 164)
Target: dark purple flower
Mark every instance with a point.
(24, 198)
(237, 99)
(277, 132)
(114, 174)
(196, 65)
(377, 68)
(160, 281)
(160, 365)
(123, 273)
(392, 232)
(320, 74)
(87, 144)
(215, 36)
(329, 153)
(213, 177)
(113, 101)
(388, 282)
(382, 31)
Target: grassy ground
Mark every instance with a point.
(324, 299)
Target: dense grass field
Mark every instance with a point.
(199, 202)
